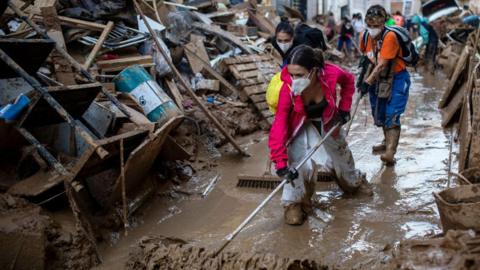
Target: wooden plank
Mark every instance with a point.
(75, 23)
(253, 81)
(258, 98)
(261, 106)
(261, 22)
(242, 30)
(177, 96)
(454, 106)
(196, 47)
(266, 114)
(120, 64)
(271, 119)
(255, 89)
(142, 158)
(461, 65)
(98, 45)
(63, 69)
(215, 30)
(247, 59)
(465, 134)
(256, 65)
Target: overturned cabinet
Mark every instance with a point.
(72, 140)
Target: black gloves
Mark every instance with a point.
(290, 173)
(363, 88)
(344, 116)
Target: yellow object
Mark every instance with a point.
(273, 92)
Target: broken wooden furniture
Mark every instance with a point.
(252, 74)
(187, 86)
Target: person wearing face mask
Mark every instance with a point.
(307, 109)
(284, 39)
(389, 82)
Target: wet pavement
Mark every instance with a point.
(361, 230)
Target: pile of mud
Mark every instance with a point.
(30, 239)
(165, 253)
(456, 250)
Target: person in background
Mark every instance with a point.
(358, 26)
(399, 19)
(432, 45)
(284, 40)
(308, 108)
(390, 21)
(331, 26)
(389, 82)
(346, 35)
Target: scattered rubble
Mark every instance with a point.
(29, 239)
(167, 253)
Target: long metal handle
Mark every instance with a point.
(307, 156)
(357, 102)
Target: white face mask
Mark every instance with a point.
(285, 46)
(373, 31)
(300, 84)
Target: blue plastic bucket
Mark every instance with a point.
(156, 104)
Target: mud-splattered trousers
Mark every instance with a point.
(387, 111)
(334, 155)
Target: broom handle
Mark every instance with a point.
(357, 102)
(307, 156)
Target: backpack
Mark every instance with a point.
(273, 92)
(409, 51)
(310, 36)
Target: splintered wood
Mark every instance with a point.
(253, 73)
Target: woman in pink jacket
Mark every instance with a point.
(305, 112)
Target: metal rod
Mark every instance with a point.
(307, 156)
(450, 149)
(187, 86)
(124, 192)
(67, 56)
(355, 108)
(51, 101)
(51, 160)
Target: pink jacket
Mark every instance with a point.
(290, 114)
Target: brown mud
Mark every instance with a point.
(161, 253)
(346, 233)
(30, 239)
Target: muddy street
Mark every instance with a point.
(346, 231)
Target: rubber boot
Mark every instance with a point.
(365, 187)
(307, 204)
(294, 214)
(380, 147)
(392, 136)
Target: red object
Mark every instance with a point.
(109, 56)
(290, 114)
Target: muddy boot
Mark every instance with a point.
(307, 204)
(392, 136)
(365, 187)
(294, 214)
(379, 148)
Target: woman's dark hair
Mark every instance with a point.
(306, 57)
(284, 26)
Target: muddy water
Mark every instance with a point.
(361, 230)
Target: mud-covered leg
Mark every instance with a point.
(349, 178)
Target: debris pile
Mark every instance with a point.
(455, 250)
(164, 253)
(35, 241)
